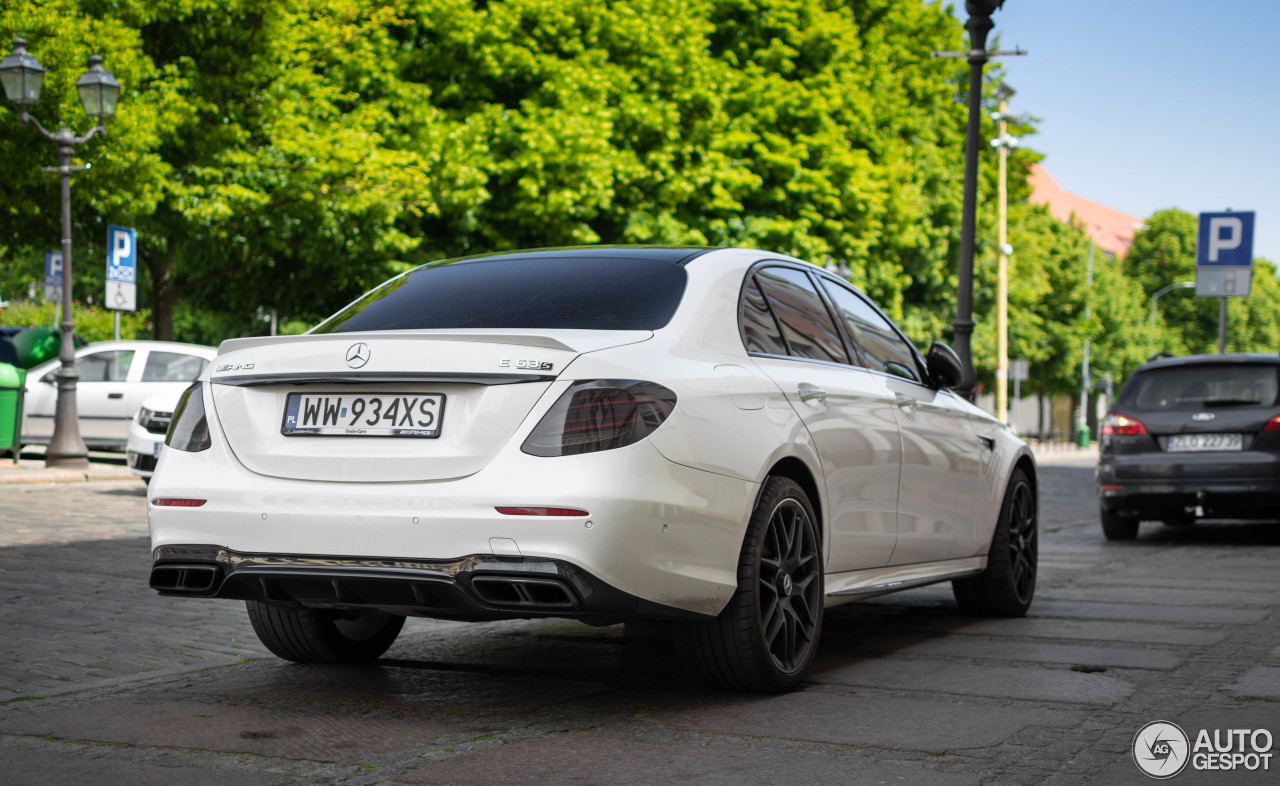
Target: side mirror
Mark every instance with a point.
(944, 365)
(51, 378)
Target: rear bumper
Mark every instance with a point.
(657, 531)
(473, 588)
(1164, 498)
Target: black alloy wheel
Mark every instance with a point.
(790, 580)
(1008, 585)
(766, 637)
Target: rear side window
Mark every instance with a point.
(545, 292)
(806, 323)
(760, 330)
(1203, 387)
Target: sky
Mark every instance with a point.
(1150, 104)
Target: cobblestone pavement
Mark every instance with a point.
(100, 679)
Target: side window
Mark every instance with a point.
(806, 323)
(760, 332)
(172, 367)
(883, 347)
(109, 366)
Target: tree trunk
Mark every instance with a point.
(164, 295)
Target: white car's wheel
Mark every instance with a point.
(765, 639)
(1006, 587)
(323, 636)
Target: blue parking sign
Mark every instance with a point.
(1225, 240)
(122, 268)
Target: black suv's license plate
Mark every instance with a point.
(1205, 443)
(364, 415)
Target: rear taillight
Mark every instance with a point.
(1121, 425)
(1273, 424)
(189, 429)
(600, 414)
(176, 502)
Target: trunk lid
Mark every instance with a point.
(489, 380)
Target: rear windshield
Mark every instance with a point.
(546, 293)
(1201, 387)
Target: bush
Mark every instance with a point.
(92, 323)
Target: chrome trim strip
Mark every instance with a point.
(361, 378)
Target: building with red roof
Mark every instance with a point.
(1112, 230)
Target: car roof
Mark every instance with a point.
(675, 254)
(1234, 358)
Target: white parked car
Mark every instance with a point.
(115, 376)
(146, 432)
(729, 439)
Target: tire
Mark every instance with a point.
(323, 636)
(766, 637)
(1007, 586)
(1117, 527)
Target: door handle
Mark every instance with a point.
(904, 401)
(988, 441)
(809, 392)
(115, 395)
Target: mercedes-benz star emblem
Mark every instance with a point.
(358, 355)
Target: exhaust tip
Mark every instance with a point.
(184, 578)
(523, 593)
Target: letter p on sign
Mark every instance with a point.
(1225, 234)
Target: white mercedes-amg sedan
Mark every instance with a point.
(732, 440)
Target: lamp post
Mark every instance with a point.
(979, 25)
(1164, 291)
(23, 76)
(1003, 142)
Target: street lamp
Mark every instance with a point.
(22, 77)
(1164, 291)
(979, 25)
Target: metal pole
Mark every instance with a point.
(66, 447)
(978, 26)
(1086, 381)
(1002, 277)
(1222, 326)
(116, 331)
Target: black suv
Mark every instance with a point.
(1192, 437)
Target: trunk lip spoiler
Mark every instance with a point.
(528, 340)
(377, 378)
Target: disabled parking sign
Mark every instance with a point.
(1224, 254)
(122, 269)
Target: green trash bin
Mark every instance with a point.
(12, 380)
(36, 345)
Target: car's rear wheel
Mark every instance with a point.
(1006, 587)
(765, 639)
(323, 635)
(1117, 527)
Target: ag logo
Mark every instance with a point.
(1161, 749)
(358, 355)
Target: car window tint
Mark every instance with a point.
(108, 366)
(1203, 387)
(806, 323)
(760, 332)
(172, 367)
(571, 292)
(884, 349)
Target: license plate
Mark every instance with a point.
(364, 415)
(1201, 443)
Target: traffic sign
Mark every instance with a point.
(1224, 254)
(122, 269)
(53, 276)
